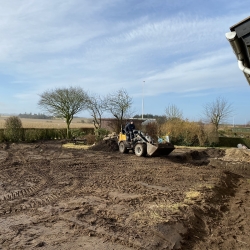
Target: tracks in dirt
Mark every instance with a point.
(223, 222)
(237, 167)
(45, 182)
(114, 197)
(36, 177)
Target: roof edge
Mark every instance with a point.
(241, 22)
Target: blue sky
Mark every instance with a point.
(177, 47)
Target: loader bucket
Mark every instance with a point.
(159, 149)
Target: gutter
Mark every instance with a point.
(235, 44)
(243, 68)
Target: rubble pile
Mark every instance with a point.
(109, 145)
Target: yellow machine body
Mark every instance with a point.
(150, 149)
(122, 137)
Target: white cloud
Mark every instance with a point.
(211, 70)
(34, 28)
(102, 47)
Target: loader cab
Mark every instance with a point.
(142, 145)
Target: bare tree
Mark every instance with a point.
(96, 107)
(118, 104)
(217, 111)
(64, 103)
(173, 112)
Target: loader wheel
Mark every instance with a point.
(140, 149)
(122, 148)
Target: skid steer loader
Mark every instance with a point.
(142, 145)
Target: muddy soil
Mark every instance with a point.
(52, 197)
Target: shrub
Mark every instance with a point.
(212, 135)
(76, 133)
(13, 129)
(233, 142)
(2, 139)
(30, 135)
(90, 139)
(101, 133)
(152, 130)
(61, 133)
(187, 133)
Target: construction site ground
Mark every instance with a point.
(56, 197)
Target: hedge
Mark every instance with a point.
(233, 141)
(34, 134)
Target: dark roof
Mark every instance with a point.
(240, 23)
(241, 43)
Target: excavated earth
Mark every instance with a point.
(54, 197)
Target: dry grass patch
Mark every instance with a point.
(193, 195)
(206, 185)
(150, 217)
(72, 145)
(158, 213)
(50, 123)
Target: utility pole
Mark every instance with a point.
(142, 99)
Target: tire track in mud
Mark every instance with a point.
(122, 177)
(203, 218)
(199, 221)
(40, 201)
(237, 167)
(81, 170)
(12, 202)
(87, 168)
(3, 155)
(23, 192)
(105, 171)
(136, 203)
(139, 188)
(48, 198)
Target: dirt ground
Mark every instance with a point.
(53, 197)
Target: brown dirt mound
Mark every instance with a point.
(236, 154)
(215, 152)
(105, 145)
(196, 157)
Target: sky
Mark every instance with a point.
(161, 52)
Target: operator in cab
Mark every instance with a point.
(129, 130)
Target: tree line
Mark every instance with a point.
(67, 102)
(35, 116)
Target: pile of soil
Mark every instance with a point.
(195, 157)
(215, 152)
(236, 154)
(106, 146)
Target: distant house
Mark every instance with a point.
(147, 121)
